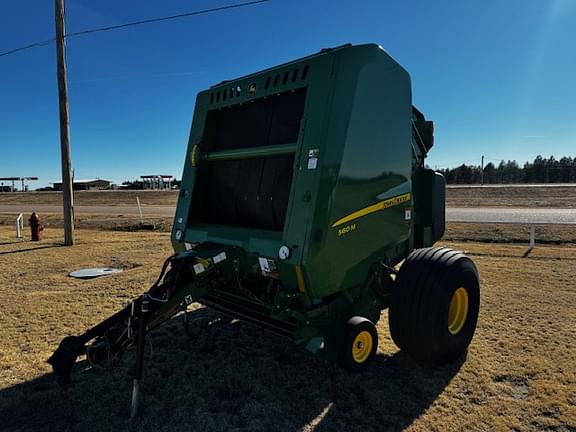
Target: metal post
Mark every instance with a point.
(532, 236)
(139, 358)
(140, 210)
(19, 226)
(67, 194)
(482, 171)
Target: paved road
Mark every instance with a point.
(511, 215)
(499, 186)
(466, 215)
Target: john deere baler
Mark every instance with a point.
(304, 188)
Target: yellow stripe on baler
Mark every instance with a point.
(300, 279)
(387, 203)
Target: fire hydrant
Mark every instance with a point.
(36, 227)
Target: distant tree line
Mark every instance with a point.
(541, 170)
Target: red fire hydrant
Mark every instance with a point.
(36, 227)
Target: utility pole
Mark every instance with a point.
(67, 195)
(482, 172)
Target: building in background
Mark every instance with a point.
(11, 187)
(157, 181)
(78, 185)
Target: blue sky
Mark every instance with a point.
(496, 76)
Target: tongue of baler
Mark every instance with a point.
(183, 276)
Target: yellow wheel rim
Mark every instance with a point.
(458, 311)
(362, 347)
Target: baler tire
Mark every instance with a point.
(358, 344)
(434, 306)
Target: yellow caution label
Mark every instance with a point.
(387, 203)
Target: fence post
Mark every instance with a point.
(19, 226)
(140, 210)
(532, 236)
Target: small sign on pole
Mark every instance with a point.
(19, 226)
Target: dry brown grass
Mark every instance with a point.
(93, 222)
(489, 233)
(555, 197)
(520, 373)
(509, 233)
(113, 198)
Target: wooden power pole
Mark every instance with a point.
(67, 194)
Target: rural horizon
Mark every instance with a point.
(539, 171)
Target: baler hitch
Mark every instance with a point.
(124, 329)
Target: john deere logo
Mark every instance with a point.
(251, 88)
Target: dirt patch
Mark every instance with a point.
(517, 386)
(519, 374)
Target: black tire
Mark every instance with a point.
(358, 344)
(434, 305)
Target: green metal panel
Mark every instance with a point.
(429, 194)
(366, 159)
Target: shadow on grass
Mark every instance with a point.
(34, 248)
(17, 241)
(228, 376)
(525, 254)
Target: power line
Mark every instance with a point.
(456, 163)
(135, 23)
(32, 45)
(166, 18)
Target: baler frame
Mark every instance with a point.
(186, 278)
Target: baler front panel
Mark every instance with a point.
(248, 192)
(249, 179)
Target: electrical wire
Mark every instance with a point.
(32, 45)
(166, 18)
(456, 163)
(136, 23)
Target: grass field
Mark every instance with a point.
(113, 198)
(520, 372)
(545, 197)
(555, 197)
